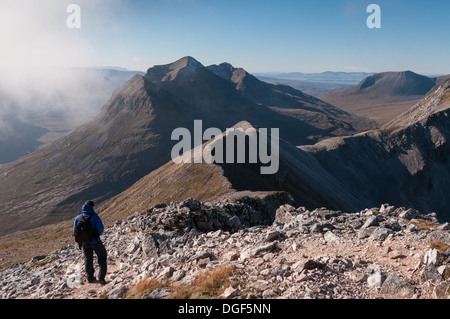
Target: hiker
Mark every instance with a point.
(95, 245)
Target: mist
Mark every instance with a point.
(48, 86)
(39, 105)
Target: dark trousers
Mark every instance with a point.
(100, 251)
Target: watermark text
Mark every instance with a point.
(235, 145)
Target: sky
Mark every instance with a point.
(258, 35)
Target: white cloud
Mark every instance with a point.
(35, 33)
(37, 51)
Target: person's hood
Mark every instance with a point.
(87, 210)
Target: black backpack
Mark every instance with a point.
(83, 231)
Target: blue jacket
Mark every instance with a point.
(96, 222)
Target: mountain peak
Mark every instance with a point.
(236, 76)
(169, 72)
(185, 62)
(404, 83)
(225, 70)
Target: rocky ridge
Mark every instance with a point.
(293, 253)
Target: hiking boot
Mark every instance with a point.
(91, 280)
(102, 282)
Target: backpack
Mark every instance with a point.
(83, 231)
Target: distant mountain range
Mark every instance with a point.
(383, 96)
(316, 89)
(343, 78)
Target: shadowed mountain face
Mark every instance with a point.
(299, 177)
(384, 96)
(131, 137)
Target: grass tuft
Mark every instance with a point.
(446, 98)
(423, 224)
(439, 245)
(41, 263)
(143, 287)
(206, 285)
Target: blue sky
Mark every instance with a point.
(260, 36)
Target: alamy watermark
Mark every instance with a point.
(74, 19)
(374, 20)
(234, 146)
(73, 276)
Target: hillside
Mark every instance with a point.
(436, 101)
(383, 96)
(131, 137)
